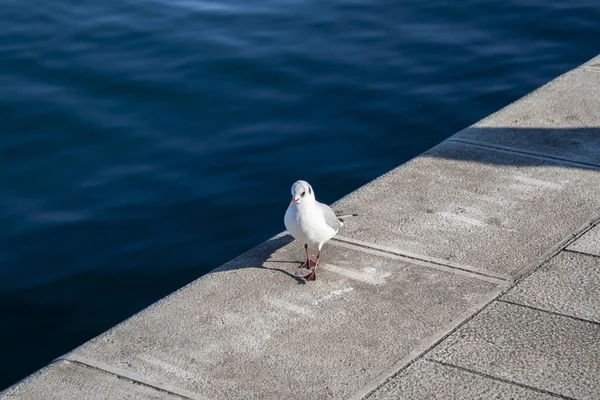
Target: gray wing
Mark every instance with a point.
(332, 221)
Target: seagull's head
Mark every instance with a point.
(301, 192)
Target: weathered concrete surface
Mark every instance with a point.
(425, 380)
(65, 380)
(532, 348)
(475, 207)
(569, 284)
(246, 331)
(436, 242)
(588, 243)
(562, 119)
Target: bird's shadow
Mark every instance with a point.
(260, 255)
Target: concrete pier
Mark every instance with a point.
(471, 271)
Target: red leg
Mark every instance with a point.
(313, 275)
(309, 263)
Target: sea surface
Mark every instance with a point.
(144, 143)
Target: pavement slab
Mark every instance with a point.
(569, 284)
(537, 349)
(425, 380)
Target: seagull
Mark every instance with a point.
(310, 222)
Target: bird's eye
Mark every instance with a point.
(303, 193)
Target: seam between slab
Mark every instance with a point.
(423, 259)
(583, 253)
(515, 150)
(428, 344)
(555, 313)
(118, 376)
(185, 394)
(495, 378)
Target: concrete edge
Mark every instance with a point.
(589, 63)
(20, 381)
(165, 298)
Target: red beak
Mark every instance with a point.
(294, 201)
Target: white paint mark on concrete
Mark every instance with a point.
(371, 279)
(462, 218)
(169, 368)
(333, 294)
(537, 182)
(496, 200)
(370, 270)
(288, 306)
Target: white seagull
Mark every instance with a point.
(310, 222)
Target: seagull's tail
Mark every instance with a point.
(342, 216)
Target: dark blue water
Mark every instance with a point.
(144, 143)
